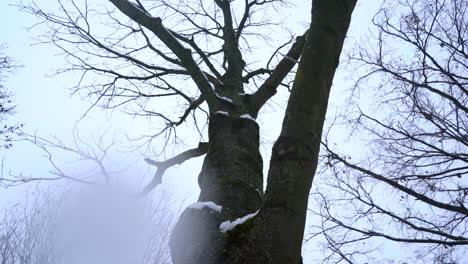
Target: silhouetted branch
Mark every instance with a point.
(268, 88)
(162, 166)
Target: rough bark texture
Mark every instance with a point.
(232, 170)
(295, 153)
(231, 176)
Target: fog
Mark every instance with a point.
(103, 224)
(88, 224)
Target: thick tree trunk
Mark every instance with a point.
(231, 176)
(232, 170)
(295, 153)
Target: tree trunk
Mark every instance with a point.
(232, 170)
(295, 153)
(231, 176)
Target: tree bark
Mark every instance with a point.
(295, 153)
(232, 170)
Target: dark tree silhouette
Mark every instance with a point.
(7, 65)
(142, 53)
(412, 188)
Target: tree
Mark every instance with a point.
(210, 54)
(7, 65)
(412, 187)
(38, 229)
(96, 219)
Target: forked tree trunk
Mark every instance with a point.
(232, 170)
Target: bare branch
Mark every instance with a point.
(162, 166)
(268, 88)
(154, 24)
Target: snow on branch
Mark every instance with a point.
(210, 205)
(228, 225)
(289, 58)
(221, 113)
(247, 116)
(224, 98)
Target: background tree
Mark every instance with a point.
(39, 229)
(7, 65)
(411, 184)
(95, 218)
(129, 61)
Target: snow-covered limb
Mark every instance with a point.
(210, 205)
(223, 98)
(228, 225)
(222, 113)
(289, 58)
(206, 77)
(247, 116)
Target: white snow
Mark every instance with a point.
(222, 113)
(228, 225)
(210, 205)
(289, 58)
(224, 98)
(204, 75)
(247, 116)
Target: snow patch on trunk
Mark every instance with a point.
(247, 116)
(228, 225)
(223, 98)
(221, 113)
(210, 205)
(289, 58)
